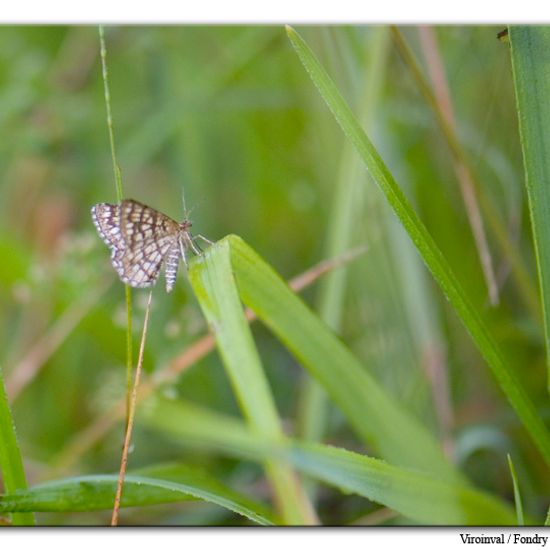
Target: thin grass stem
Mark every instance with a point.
(120, 196)
(131, 416)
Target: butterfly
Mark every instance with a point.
(142, 240)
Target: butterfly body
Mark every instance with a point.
(142, 240)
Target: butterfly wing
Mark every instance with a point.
(106, 218)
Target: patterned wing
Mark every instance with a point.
(106, 218)
(142, 242)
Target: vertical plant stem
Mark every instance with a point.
(107, 92)
(120, 196)
(131, 416)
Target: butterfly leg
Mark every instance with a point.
(190, 242)
(194, 245)
(182, 253)
(202, 237)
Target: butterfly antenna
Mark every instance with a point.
(186, 213)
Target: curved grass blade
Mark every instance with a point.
(11, 464)
(199, 427)
(212, 279)
(161, 484)
(416, 495)
(430, 252)
(375, 416)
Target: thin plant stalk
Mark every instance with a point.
(131, 416)
(107, 93)
(120, 196)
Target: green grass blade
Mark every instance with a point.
(530, 46)
(413, 494)
(376, 417)
(153, 485)
(430, 252)
(201, 427)
(418, 496)
(212, 279)
(517, 494)
(11, 464)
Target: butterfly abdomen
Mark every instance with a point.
(171, 266)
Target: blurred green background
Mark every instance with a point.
(229, 116)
